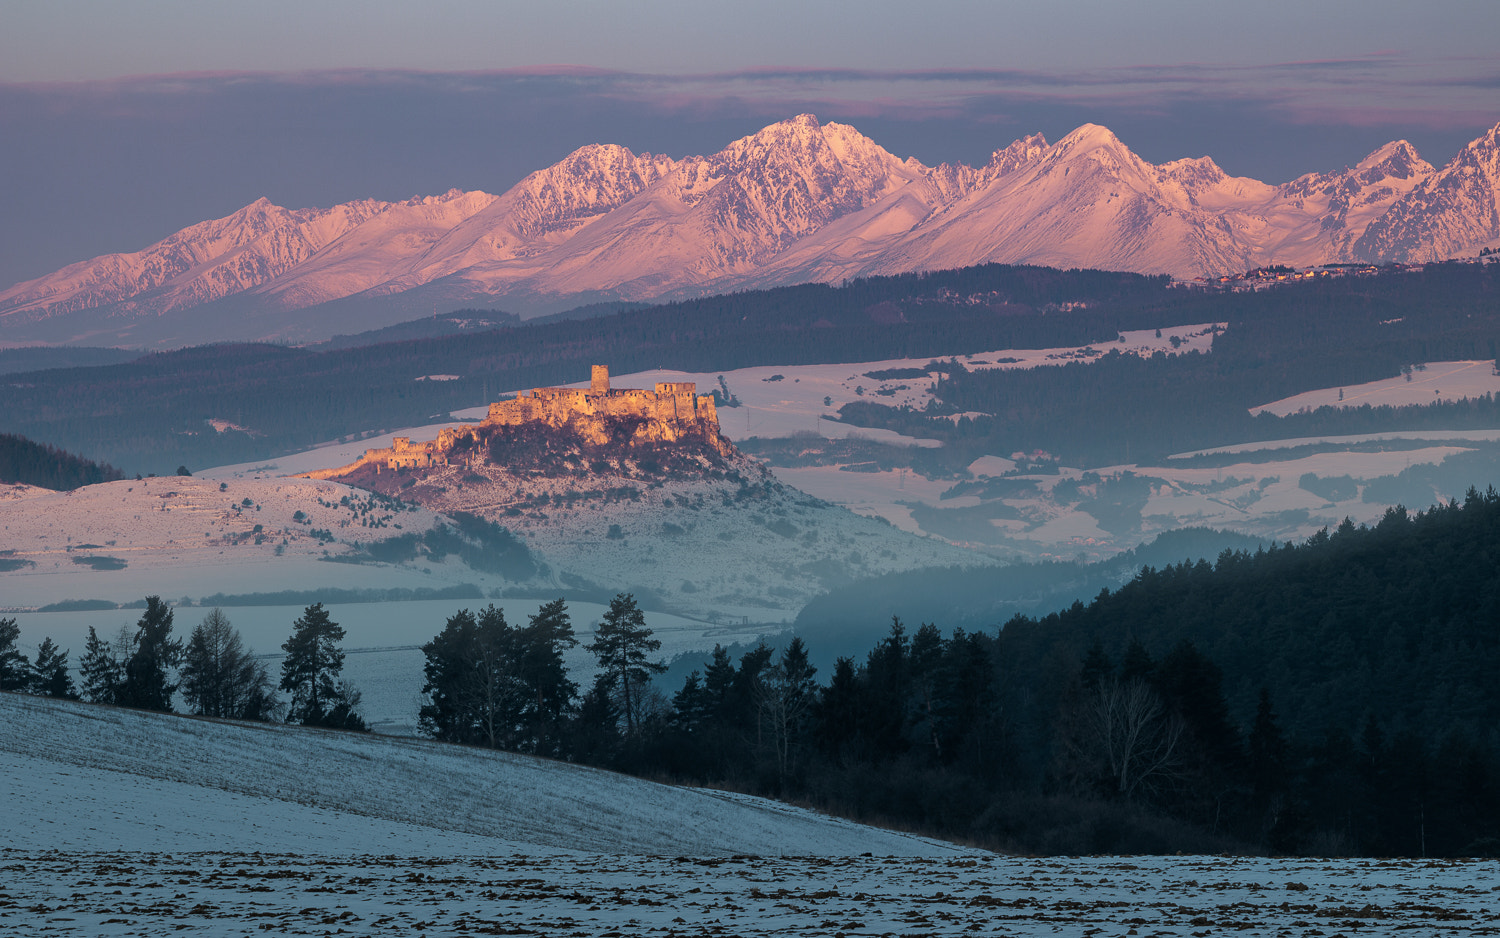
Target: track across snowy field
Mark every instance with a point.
(107, 894)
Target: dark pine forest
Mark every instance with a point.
(1331, 697)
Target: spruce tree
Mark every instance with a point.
(313, 662)
(103, 671)
(15, 674)
(50, 675)
(544, 676)
(146, 684)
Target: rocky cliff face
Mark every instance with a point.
(797, 201)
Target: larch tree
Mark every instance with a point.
(220, 678)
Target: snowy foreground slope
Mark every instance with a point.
(126, 823)
(466, 800)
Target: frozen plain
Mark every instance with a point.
(140, 824)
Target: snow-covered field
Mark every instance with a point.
(1425, 384)
(127, 823)
(518, 803)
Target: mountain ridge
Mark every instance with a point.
(794, 202)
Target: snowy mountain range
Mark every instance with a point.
(798, 201)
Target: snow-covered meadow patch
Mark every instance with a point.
(1423, 384)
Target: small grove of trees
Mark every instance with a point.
(490, 683)
(133, 670)
(493, 684)
(216, 675)
(213, 671)
(47, 676)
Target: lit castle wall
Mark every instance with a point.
(673, 412)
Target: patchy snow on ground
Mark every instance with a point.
(1424, 384)
(236, 894)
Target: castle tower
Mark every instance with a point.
(601, 380)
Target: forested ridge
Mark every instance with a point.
(152, 414)
(1123, 408)
(1334, 696)
(30, 463)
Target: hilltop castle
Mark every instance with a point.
(672, 413)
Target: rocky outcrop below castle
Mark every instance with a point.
(561, 430)
(615, 489)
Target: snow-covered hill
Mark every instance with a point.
(794, 202)
(124, 779)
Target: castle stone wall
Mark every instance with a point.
(673, 412)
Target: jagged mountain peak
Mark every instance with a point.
(1454, 209)
(1021, 153)
(1397, 158)
(796, 200)
(1194, 173)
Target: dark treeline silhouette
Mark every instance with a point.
(1330, 697)
(29, 463)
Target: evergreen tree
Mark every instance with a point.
(788, 695)
(103, 670)
(837, 717)
(448, 714)
(50, 675)
(622, 644)
(544, 676)
(14, 672)
(308, 672)
(1097, 668)
(888, 675)
(147, 685)
(1267, 752)
(596, 729)
(220, 678)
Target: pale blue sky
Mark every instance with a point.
(53, 40)
(124, 121)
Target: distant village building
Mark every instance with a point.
(671, 413)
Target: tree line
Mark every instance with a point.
(146, 668)
(31, 463)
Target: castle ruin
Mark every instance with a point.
(674, 412)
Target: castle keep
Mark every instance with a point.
(672, 413)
